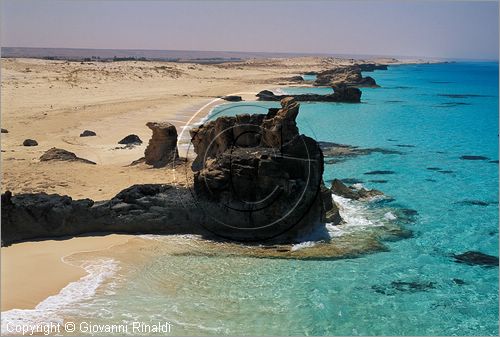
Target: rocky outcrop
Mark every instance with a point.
(88, 133)
(30, 142)
(262, 177)
(162, 147)
(55, 154)
(131, 140)
(255, 179)
(232, 98)
(161, 209)
(339, 188)
(340, 94)
(5, 130)
(345, 76)
(368, 67)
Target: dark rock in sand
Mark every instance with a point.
(379, 172)
(474, 258)
(30, 142)
(55, 154)
(232, 98)
(340, 94)
(162, 147)
(474, 158)
(5, 130)
(88, 133)
(131, 140)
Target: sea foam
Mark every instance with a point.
(51, 309)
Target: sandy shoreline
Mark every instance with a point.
(54, 101)
(33, 271)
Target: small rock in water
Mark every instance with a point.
(474, 158)
(351, 181)
(30, 142)
(87, 133)
(434, 169)
(445, 171)
(131, 140)
(404, 145)
(379, 172)
(403, 286)
(474, 258)
(458, 281)
(493, 161)
(5, 130)
(378, 181)
(355, 192)
(473, 203)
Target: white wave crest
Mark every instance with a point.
(356, 216)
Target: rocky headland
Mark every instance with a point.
(255, 178)
(340, 94)
(348, 76)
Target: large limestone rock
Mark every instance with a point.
(348, 76)
(266, 186)
(162, 147)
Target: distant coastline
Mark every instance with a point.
(181, 56)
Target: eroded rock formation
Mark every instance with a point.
(255, 178)
(340, 94)
(262, 176)
(346, 76)
(162, 147)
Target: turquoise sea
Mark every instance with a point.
(433, 114)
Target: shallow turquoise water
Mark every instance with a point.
(217, 295)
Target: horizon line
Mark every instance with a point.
(329, 54)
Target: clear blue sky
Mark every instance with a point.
(454, 29)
